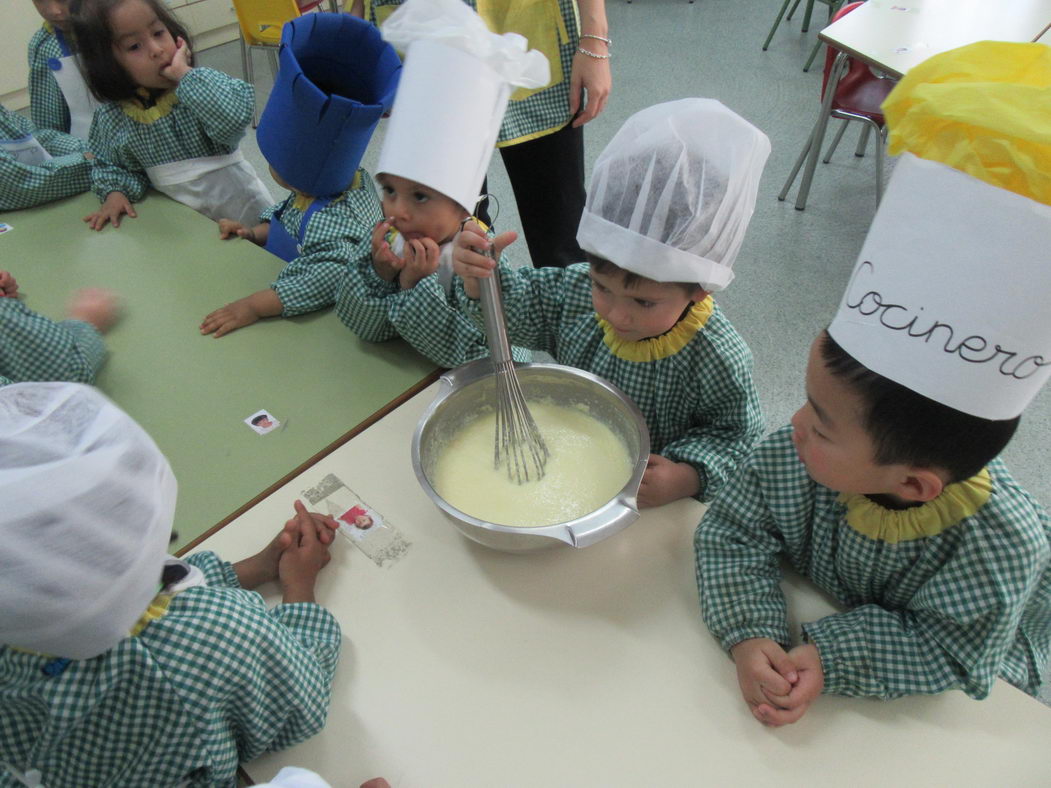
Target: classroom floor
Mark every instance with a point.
(794, 265)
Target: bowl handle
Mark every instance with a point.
(590, 533)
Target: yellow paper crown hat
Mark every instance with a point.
(983, 109)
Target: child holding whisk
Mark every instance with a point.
(640, 313)
(165, 123)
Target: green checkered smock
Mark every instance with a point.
(339, 232)
(216, 681)
(377, 310)
(26, 185)
(927, 613)
(209, 118)
(545, 111)
(700, 403)
(33, 348)
(47, 105)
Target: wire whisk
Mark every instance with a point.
(518, 442)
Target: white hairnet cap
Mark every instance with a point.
(673, 192)
(86, 515)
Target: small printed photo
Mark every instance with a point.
(5, 228)
(263, 421)
(358, 520)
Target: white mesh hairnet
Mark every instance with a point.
(673, 192)
(295, 777)
(86, 515)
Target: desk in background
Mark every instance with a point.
(192, 392)
(463, 667)
(895, 35)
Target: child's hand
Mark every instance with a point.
(768, 676)
(229, 318)
(99, 307)
(386, 264)
(300, 562)
(113, 207)
(8, 285)
(180, 65)
(786, 709)
(664, 481)
(229, 228)
(262, 567)
(421, 259)
(470, 260)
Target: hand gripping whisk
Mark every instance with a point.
(518, 442)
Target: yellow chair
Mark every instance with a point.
(260, 22)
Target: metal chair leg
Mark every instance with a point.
(838, 67)
(813, 54)
(835, 141)
(806, 15)
(795, 169)
(777, 21)
(863, 141)
(250, 79)
(879, 160)
(792, 11)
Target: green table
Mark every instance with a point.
(192, 392)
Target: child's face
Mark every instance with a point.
(647, 309)
(830, 437)
(54, 11)
(418, 211)
(141, 43)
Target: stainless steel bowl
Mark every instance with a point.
(471, 388)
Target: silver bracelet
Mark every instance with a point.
(595, 55)
(608, 42)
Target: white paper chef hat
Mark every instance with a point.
(949, 295)
(673, 192)
(452, 95)
(295, 777)
(86, 515)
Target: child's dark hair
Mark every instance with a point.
(906, 427)
(259, 419)
(106, 78)
(630, 278)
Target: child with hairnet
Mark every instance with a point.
(119, 664)
(670, 200)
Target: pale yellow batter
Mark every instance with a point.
(588, 466)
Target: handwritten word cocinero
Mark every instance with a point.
(974, 349)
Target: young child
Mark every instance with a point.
(337, 78)
(164, 123)
(59, 99)
(32, 347)
(886, 490)
(437, 146)
(120, 665)
(39, 165)
(670, 201)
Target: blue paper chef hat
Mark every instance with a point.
(336, 78)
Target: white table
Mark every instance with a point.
(895, 35)
(467, 667)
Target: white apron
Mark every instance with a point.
(75, 91)
(220, 187)
(26, 150)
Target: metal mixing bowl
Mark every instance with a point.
(469, 389)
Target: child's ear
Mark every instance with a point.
(920, 484)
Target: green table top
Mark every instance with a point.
(193, 392)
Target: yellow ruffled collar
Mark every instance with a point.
(667, 344)
(161, 107)
(956, 503)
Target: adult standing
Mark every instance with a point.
(542, 137)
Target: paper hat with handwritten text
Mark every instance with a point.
(336, 79)
(950, 294)
(453, 92)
